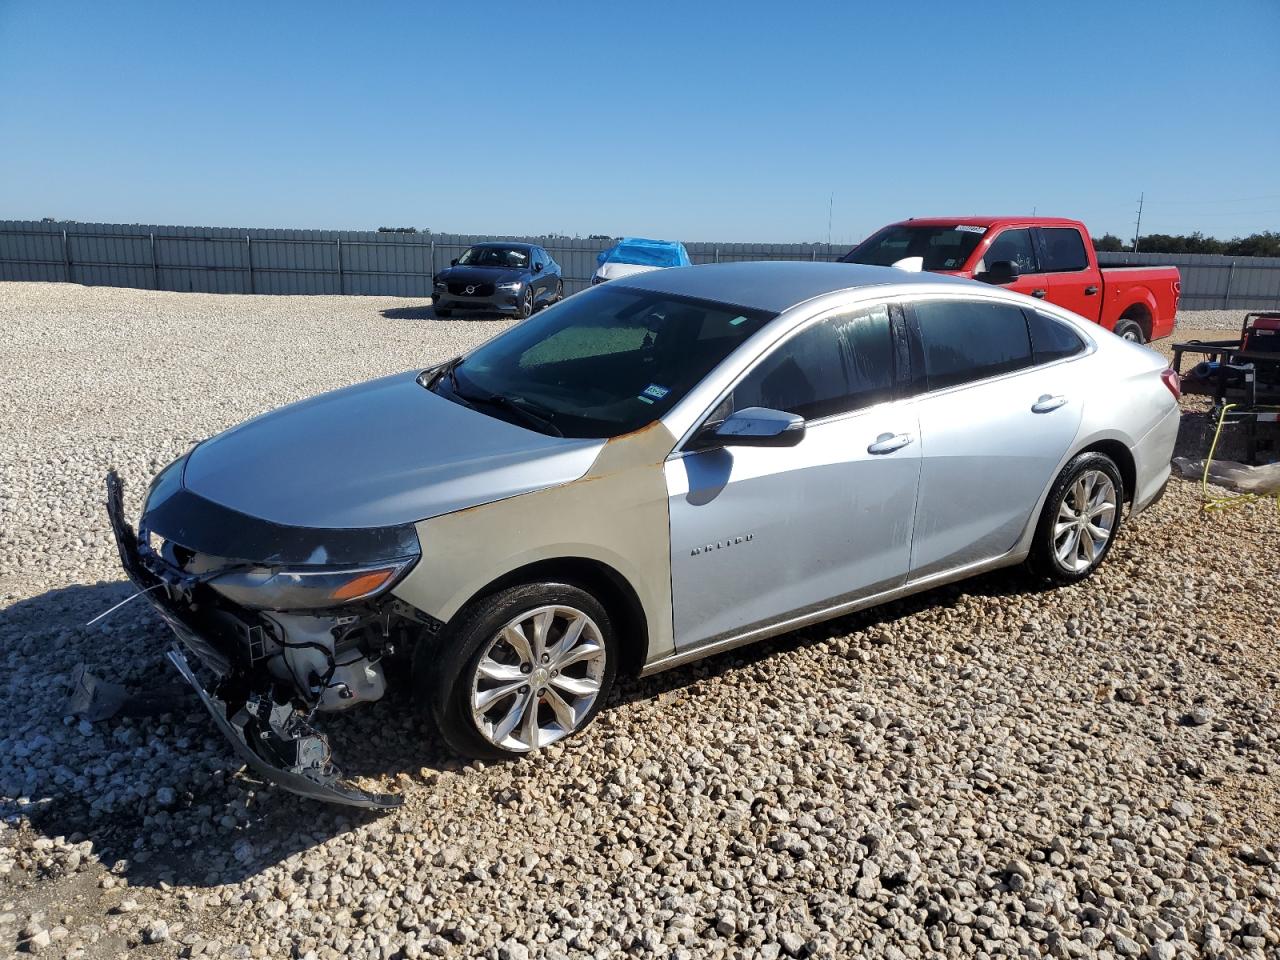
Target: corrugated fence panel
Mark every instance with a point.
(229, 260)
(1214, 281)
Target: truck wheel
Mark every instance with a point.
(522, 668)
(1080, 520)
(1129, 330)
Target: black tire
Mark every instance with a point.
(525, 310)
(1044, 560)
(443, 312)
(1127, 329)
(444, 673)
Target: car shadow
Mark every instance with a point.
(166, 794)
(429, 313)
(411, 313)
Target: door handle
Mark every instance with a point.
(1090, 291)
(1038, 294)
(1046, 403)
(889, 442)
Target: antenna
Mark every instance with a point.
(1137, 227)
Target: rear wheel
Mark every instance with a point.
(524, 668)
(1080, 520)
(1130, 330)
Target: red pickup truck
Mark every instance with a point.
(1044, 257)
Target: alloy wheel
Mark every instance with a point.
(538, 678)
(1086, 521)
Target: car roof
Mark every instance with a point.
(974, 221)
(773, 285)
(506, 244)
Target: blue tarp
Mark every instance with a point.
(646, 253)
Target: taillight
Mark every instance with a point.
(1171, 380)
(1177, 294)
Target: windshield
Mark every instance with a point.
(494, 257)
(943, 248)
(604, 362)
(645, 255)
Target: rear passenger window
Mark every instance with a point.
(967, 340)
(839, 364)
(1063, 249)
(1052, 339)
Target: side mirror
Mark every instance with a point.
(537, 268)
(453, 262)
(1002, 271)
(753, 427)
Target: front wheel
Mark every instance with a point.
(525, 310)
(1080, 520)
(524, 668)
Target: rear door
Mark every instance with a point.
(758, 533)
(994, 426)
(1018, 245)
(1072, 280)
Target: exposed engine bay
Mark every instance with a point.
(269, 671)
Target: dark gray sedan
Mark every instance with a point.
(509, 278)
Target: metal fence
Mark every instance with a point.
(225, 260)
(1212, 281)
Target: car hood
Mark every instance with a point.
(379, 453)
(482, 274)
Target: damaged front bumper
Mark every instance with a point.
(271, 733)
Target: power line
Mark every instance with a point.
(1269, 196)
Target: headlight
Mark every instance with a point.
(307, 588)
(597, 279)
(512, 287)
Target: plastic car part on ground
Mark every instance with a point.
(646, 253)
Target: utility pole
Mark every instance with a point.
(831, 202)
(1137, 227)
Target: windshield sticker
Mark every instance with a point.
(655, 391)
(965, 228)
(737, 320)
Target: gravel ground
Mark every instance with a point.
(984, 770)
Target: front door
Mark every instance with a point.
(760, 533)
(1017, 245)
(994, 427)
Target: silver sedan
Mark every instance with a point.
(652, 471)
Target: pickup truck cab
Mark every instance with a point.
(1044, 257)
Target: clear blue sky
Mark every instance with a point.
(690, 120)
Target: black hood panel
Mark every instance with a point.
(191, 521)
(483, 274)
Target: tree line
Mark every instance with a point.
(1265, 244)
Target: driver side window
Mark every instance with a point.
(1012, 245)
(837, 365)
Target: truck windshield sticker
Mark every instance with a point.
(966, 228)
(655, 391)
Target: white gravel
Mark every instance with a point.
(1229, 321)
(986, 770)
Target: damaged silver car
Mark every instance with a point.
(652, 471)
